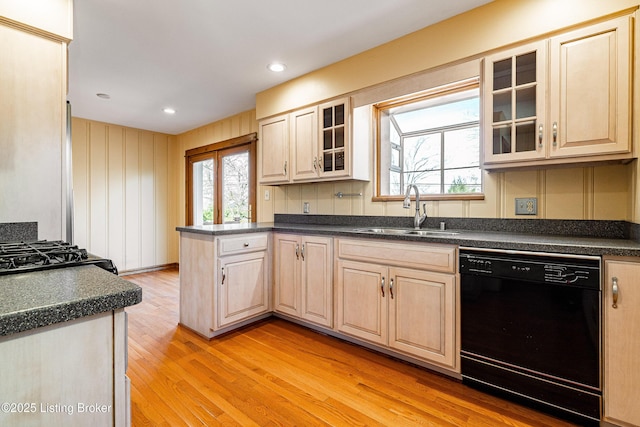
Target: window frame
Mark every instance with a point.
(379, 109)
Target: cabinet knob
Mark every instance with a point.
(246, 245)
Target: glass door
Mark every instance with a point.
(203, 191)
(221, 182)
(233, 176)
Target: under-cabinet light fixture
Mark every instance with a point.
(103, 95)
(169, 110)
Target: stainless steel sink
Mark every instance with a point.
(432, 232)
(381, 230)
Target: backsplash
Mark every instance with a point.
(18, 231)
(577, 228)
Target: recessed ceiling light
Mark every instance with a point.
(169, 110)
(276, 67)
(103, 95)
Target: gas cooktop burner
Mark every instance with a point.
(18, 257)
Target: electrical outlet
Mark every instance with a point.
(267, 195)
(527, 206)
(305, 207)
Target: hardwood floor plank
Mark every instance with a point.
(276, 373)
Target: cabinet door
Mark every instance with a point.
(287, 274)
(273, 150)
(422, 315)
(621, 343)
(590, 90)
(243, 288)
(317, 280)
(362, 300)
(335, 138)
(304, 144)
(514, 104)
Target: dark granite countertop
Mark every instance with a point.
(597, 238)
(35, 299)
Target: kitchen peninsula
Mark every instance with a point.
(63, 347)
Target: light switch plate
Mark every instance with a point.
(527, 206)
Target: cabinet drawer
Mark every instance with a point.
(433, 257)
(243, 243)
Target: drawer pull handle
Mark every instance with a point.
(224, 276)
(382, 286)
(614, 291)
(297, 251)
(555, 134)
(302, 252)
(391, 288)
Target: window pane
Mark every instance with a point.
(441, 112)
(203, 192)
(462, 148)
(466, 180)
(427, 182)
(421, 154)
(235, 188)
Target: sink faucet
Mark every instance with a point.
(418, 219)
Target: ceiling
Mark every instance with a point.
(208, 58)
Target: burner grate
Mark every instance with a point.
(18, 256)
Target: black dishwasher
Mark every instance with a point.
(531, 329)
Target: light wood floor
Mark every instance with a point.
(276, 373)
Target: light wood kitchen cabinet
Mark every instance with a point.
(273, 150)
(304, 144)
(581, 113)
(303, 277)
(224, 281)
(402, 298)
(621, 344)
(312, 144)
(514, 104)
(68, 373)
(335, 138)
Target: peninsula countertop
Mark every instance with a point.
(35, 299)
(605, 244)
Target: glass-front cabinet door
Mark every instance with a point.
(334, 138)
(514, 104)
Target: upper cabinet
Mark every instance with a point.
(273, 150)
(560, 100)
(514, 104)
(310, 145)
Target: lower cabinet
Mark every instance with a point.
(224, 281)
(621, 342)
(303, 277)
(69, 373)
(402, 297)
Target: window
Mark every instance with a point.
(432, 140)
(221, 182)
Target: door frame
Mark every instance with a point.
(212, 151)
